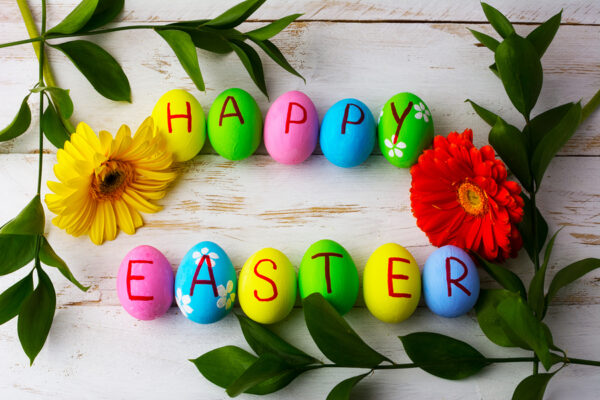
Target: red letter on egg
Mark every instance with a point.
(327, 264)
(187, 115)
(346, 121)
(451, 281)
(399, 120)
(392, 276)
(210, 281)
(274, 295)
(237, 112)
(136, 278)
(288, 119)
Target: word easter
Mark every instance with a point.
(291, 128)
(206, 286)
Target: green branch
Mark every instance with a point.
(591, 106)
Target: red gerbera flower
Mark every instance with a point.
(460, 196)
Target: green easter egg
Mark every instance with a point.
(405, 129)
(235, 124)
(327, 268)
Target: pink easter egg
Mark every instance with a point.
(291, 128)
(145, 283)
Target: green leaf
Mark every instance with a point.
(489, 320)
(272, 29)
(442, 355)
(277, 382)
(210, 40)
(35, 317)
(498, 21)
(184, 49)
(13, 297)
(334, 337)
(485, 40)
(17, 251)
(506, 278)
(553, 141)
(63, 101)
(489, 117)
(266, 367)
(272, 51)
(104, 13)
(542, 36)
(545, 122)
(526, 229)
(569, 274)
(510, 145)
(76, 18)
(251, 61)
(494, 69)
(532, 387)
(53, 128)
(99, 67)
(50, 258)
(262, 340)
(224, 365)
(342, 390)
(517, 314)
(520, 71)
(30, 220)
(19, 124)
(235, 15)
(536, 287)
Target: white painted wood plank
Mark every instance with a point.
(258, 203)
(574, 11)
(371, 62)
(103, 353)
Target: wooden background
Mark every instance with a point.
(369, 50)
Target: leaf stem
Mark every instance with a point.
(41, 59)
(18, 42)
(102, 31)
(37, 40)
(582, 362)
(591, 106)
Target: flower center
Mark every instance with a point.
(472, 198)
(110, 180)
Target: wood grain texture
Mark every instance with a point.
(370, 50)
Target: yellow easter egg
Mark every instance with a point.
(267, 286)
(180, 119)
(391, 283)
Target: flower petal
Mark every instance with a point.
(388, 143)
(221, 290)
(221, 302)
(391, 153)
(229, 286)
(214, 256)
(398, 152)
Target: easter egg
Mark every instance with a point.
(179, 118)
(391, 283)
(234, 124)
(267, 286)
(405, 129)
(327, 268)
(145, 283)
(450, 282)
(348, 133)
(206, 284)
(291, 128)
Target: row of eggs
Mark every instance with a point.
(206, 286)
(291, 128)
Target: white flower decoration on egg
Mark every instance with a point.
(395, 149)
(197, 256)
(183, 301)
(226, 298)
(422, 112)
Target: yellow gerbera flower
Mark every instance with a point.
(105, 182)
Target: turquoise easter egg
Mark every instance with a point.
(450, 282)
(205, 284)
(348, 133)
(327, 268)
(405, 129)
(234, 124)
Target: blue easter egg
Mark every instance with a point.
(450, 282)
(348, 133)
(206, 284)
